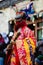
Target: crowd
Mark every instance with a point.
(4, 41)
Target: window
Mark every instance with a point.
(39, 34)
(40, 24)
(40, 31)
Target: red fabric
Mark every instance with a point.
(17, 58)
(20, 24)
(1, 40)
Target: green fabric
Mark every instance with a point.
(40, 57)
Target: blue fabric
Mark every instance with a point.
(30, 10)
(38, 61)
(1, 61)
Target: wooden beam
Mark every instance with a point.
(35, 22)
(38, 28)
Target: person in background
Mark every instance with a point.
(39, 53)
(1, 42)
(1, 39)
(2, 54)
(4, 35)
(6, 40)
(39, 60)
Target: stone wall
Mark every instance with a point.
(7, 15)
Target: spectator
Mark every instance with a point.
(39, 60)
(6, 39)
(2, 54)
(1, 42)
(1, 39)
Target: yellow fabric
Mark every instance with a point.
(26, 46)
(27, 52)
(13, 59)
